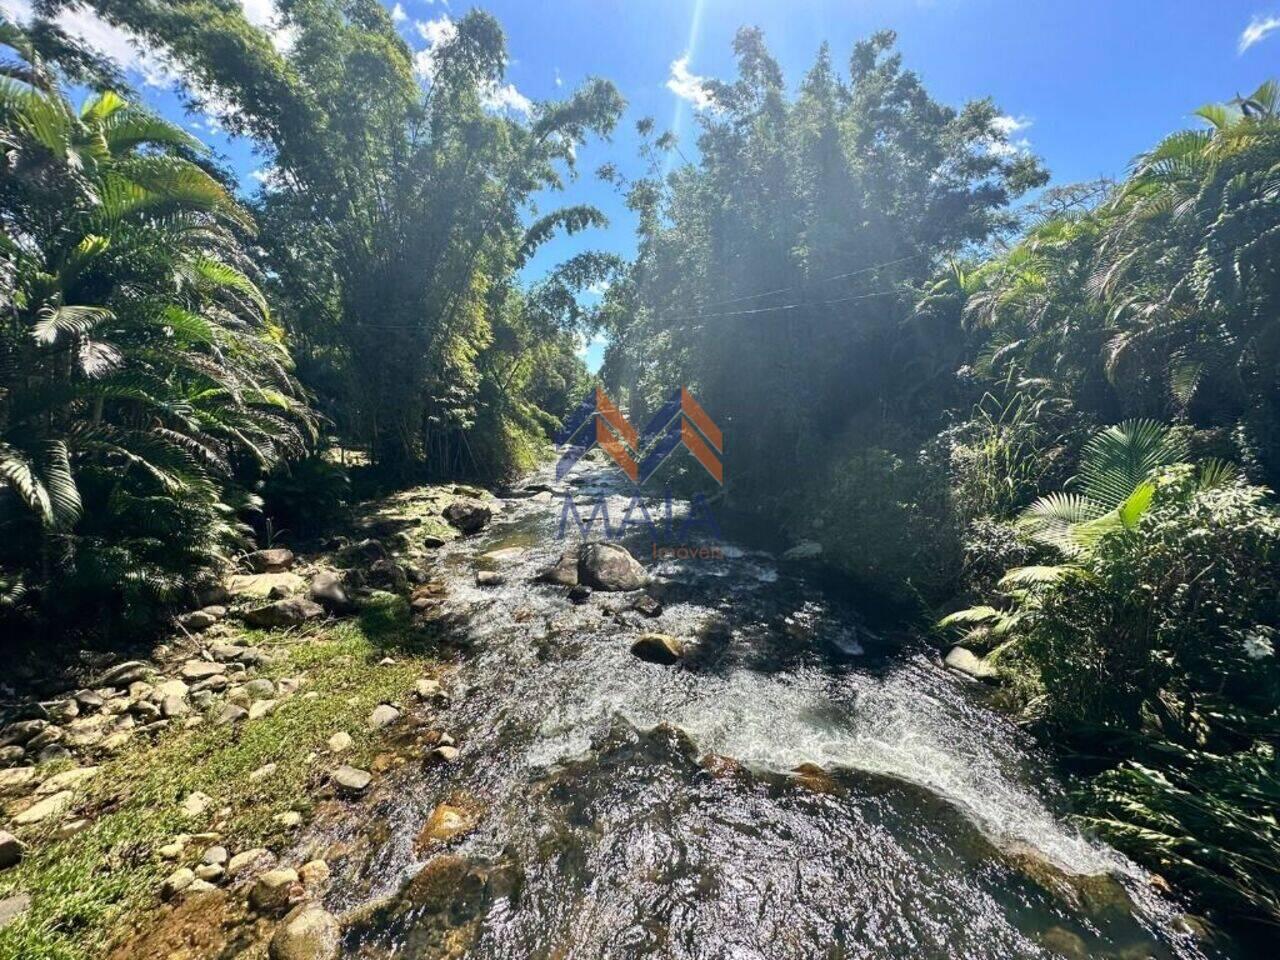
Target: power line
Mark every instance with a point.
(782, 307)
(796, 286)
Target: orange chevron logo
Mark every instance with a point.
(681, 421)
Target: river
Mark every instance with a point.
(627, 809)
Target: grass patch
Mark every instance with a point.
(82, 887)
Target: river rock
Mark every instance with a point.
(260, 689)
(176, 882)
(340, 742)
(17, 734)
(489, 578)
(388, 575)
(428, 690)
(275, 891)
(196, 803)
(89, 701)
(276, 560)
(123, 674)
(608, 566)
(16, 779)
(41, 810)
(210, 872)
(658, 648)
(384, 714)
(257, 858)
(351, 781)
(564, 572)
(445, 753)
(309, 932)
(66, 780)
(314, 874)
(13, 907)
(284, 613)
(203, 618)
(468, 515)
(647, 606)
(11, 755)
(445, 823)
(804, 550)
(328, 590)
(197, 670)
(967, 662)
(261, 586)
(260, 708)
(11, 850)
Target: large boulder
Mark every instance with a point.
(308, 933)
(328, 590)
(608, 566)
(284, 613)
(276, 560)
(468, 515)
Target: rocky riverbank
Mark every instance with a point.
(178, 785)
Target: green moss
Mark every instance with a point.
(81, 887)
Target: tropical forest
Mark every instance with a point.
(683, 479)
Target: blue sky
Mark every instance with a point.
(1085, 85)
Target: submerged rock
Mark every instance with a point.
(564, 572)
(308, 933)
(275, 891)
(804, 550)
(658, 648)
(608, 566)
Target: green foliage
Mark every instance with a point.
(139, 365)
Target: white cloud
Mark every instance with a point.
(599, 288)
(506, 98)
(441, 31)
(397, 13)
(269, 177)
(1008, 126)
(559, 79)
(436, 32)
(1259, 28)
(599, 341)
(264, 15)
(689, 86)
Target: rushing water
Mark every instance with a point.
(936, 830)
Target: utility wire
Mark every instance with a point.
(796, 286)
(782, 307)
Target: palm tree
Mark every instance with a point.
(139, 365)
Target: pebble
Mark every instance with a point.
(444, 754)
(340, 742)
(262, 773)
(215, 856)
